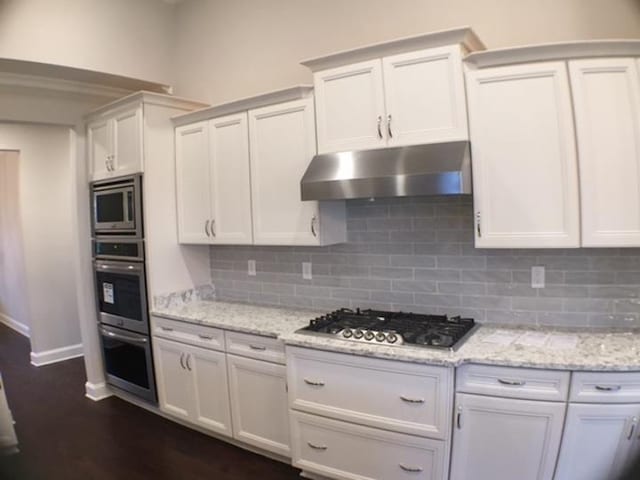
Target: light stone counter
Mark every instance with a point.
(596, 350)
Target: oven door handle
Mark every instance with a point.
(124, 338)
(119, 267)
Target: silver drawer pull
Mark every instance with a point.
(317, 447)
(512, 383)
(167, 329)
(411, 400)
(314, 383)
(608, 388)
(410, 469)
(205, 337)
(257, 347)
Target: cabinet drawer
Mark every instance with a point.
(510, 382)
(199, 335)
(350, 452)
(605, 387)
(255, 346)
(405, 397)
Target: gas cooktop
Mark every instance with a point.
(393, 328)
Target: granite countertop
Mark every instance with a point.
(560, 349)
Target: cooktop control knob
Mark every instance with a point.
(380, 337)
(358, 333)
(368, 336)
(392, 338)
(347, 333)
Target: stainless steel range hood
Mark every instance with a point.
(434, 169)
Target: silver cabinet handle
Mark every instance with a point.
(634, 422)
(478, 229)
(314, 383)
(205, 337)
(411, 400)
(206, 228)
(512, 383)
(389, 126)
(211, 227)
(182, 360)
(608, 388)
(313, 226)
(257, 347)
(410, 469)
(166, 329)
(380, 127)
(187, 362)
(317, 447)
(459, 417)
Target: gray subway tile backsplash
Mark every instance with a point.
(417, 254)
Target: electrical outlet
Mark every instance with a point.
(537, 276)
(251, 270)
(306, 270)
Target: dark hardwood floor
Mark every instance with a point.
(64, 435)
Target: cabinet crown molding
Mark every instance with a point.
(248, 103)
(149, 98)
(554, 51)
(460, 35)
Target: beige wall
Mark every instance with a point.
(230, 49)
(123, 37)
(13, 292)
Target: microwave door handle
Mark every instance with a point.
(124, 338)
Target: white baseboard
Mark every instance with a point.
(56, 355)
(19, 327)
(97, 391)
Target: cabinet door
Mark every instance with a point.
(175, 386)
(211, 392)
(99, 147)
(505, 439)
(606, 99)
(192, 183)
(424, 96)
(282, 143)
(525, 176)
(263, 423)
(350, 104)
(127, 141)
(230, 181)
(597, 441)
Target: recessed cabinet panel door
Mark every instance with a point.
(192, 183)
(525, 176)
(282, 143)
(99, 140)
(350, 107)
(230, 182)
(175, 387)
(259, 403)
(505, 439)
(597, 441)
(606, 97)
(209, 370)
(425, 97)
(127, 141)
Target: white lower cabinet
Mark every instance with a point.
(258, 392)
(598, 441)
(346, 451)
(505, 439)
(192, 384)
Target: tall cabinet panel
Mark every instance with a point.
(99, 145)
(525, 174)
(606, 99)
(282, 143)
(192, 183)
(230, 186)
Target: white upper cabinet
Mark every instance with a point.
(525, 174)
(606, 99)
(230, 185)
(404, 92)
(350, 104)
(99, 148)
(425, 97)
(192, 183)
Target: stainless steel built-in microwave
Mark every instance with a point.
(117, 207)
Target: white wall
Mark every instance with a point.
(14, 305)
(46, 189)
(123, 37)
(232, 49)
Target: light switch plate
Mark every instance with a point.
(306, 271)
(251, 269)
(537, 276)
